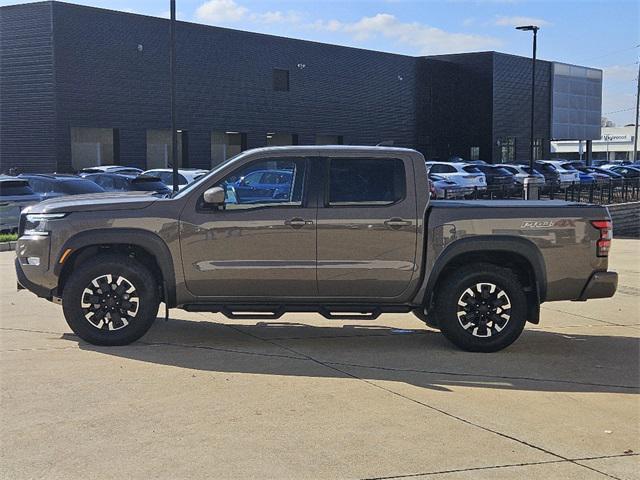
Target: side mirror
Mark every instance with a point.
(214, 196)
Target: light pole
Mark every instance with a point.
(534, 29)
(172, 88)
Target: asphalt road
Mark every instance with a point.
(205, 397)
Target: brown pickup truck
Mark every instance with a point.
(348, 232)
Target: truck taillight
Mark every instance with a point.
(606, 233)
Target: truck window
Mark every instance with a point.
(366, 181)
(263, 183)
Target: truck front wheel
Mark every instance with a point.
(111, 300)
(481, 308)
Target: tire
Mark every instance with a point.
(475, 326)
(116, 315)
(430, 321)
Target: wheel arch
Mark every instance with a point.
(148, 247)
(519, 254)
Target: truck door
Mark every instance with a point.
(258, 246)
(367, 229)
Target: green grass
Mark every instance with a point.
(8, 237)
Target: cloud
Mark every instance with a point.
(230, 12)
(420, 38)
(505, 21)
(221, 11)
(622, 73)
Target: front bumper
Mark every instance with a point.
(600, 285)
(25, 283)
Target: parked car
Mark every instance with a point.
(185, 175)
(520, 172)
(500, 181)
(555, 174)
(15, 194)
(114, 182)
(598, 177)
(463, 174)
(476, 272)
(267, 184)
(585, 177)
(110, 169)
(52, 185)
(451, 187)
(626, 171)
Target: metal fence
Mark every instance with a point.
(603, 192)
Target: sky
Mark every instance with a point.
(596, 33)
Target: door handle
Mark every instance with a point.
(297, 222)
(397, 223)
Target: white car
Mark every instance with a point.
(185, 175)
(448, 188)
(566, 177)
(520, 172)
(110, 169)
(464, 174)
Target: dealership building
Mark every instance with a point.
(83, 86)
(615, 144)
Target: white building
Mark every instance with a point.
(616, 143)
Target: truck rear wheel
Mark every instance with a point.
(481, 308)
(111, 301)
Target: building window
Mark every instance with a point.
(281, 139)
(538, 148)
(329, 140)
(280, 80)
(159, 152)
(475, 153)
(507, 149)
(225, 145)
(91, 147)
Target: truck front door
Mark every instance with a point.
(258, 246)
(367, 229)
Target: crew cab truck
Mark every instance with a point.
(350, 234)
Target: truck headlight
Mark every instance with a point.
(36, 223)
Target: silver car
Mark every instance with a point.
(15, 194)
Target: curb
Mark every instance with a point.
(7, 246)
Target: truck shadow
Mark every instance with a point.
(539, 360)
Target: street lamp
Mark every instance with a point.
(172, 89)
(534, 29)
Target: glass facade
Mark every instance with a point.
(576, 102)
(507, 149)
(474, 154)
(159, 154)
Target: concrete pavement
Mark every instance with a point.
(202, 396)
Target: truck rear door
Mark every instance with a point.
(366, 227)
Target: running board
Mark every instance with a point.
(273, 312)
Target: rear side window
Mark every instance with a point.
(366, 181)
(15, 187)
(471, 169)
(440, 168)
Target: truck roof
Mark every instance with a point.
(330, 148)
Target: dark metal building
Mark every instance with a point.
(82, 86)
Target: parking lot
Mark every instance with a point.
(202, 396)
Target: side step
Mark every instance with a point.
(273, 312)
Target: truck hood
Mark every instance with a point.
(95, 202)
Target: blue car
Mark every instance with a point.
(261, 185)
(585, 177)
